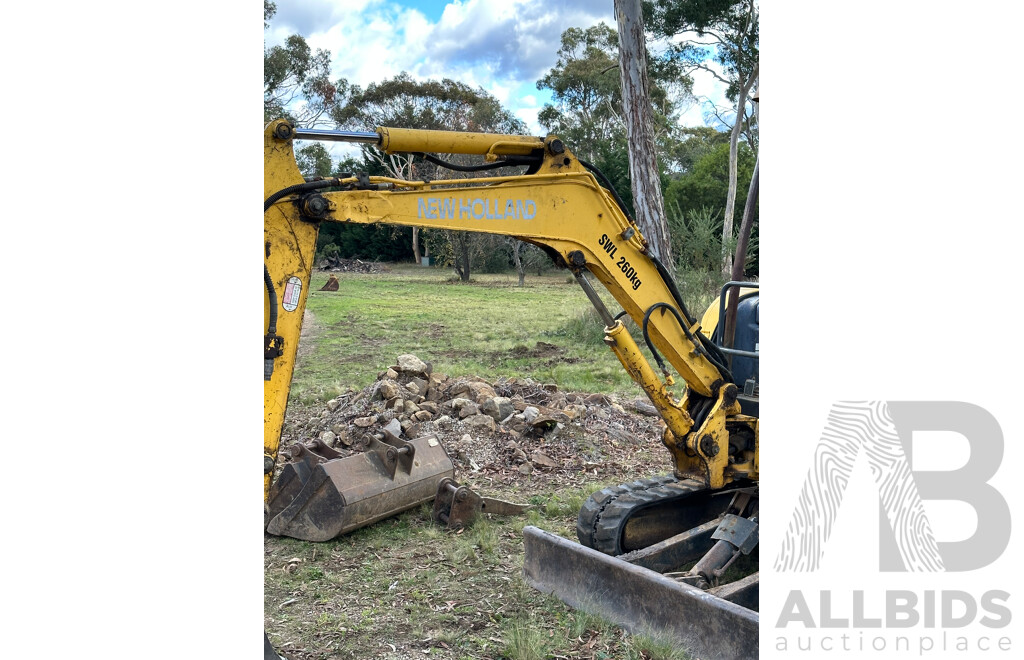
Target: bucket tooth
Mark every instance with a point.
(318, 499)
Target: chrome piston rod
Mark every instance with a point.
(364, 137)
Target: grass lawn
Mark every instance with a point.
(488, 327)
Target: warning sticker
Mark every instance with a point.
(292, 291)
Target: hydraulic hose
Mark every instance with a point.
(272, 293)
(284, 192)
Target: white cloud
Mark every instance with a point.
(502, 46)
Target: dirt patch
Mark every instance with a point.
(311, 330)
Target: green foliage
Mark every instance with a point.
(431, 104)
(694, 144)
(366, 242)
(314, 160)
(296, 80)
(587, 110)
(693, 199)
(733, 25)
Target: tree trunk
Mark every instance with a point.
(416, 245)
(637, 114)
(517, 247)
(740, 261)
(464, 250)
(730, 202)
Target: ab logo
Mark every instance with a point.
(882, 431)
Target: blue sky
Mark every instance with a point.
(503, 46)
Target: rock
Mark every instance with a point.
(542, 459)
(389, 389)
(530, 413)
(391, 373)
(411, 364)
(443, 420)
(413, 388)
(458, 388)
(525, 469)
(333, 405)
(517, 424)
(406, 428)
(338, 430)
(469, 410)
(459, 402)
(519, 456)
(617, 408)
(481, 391)
(429, 406)
(512, 445)
(363, 422)
(498, 407)
(549, 387)
(480, 423)
(421, 416)
(575, 410)
(327, 437)
(394, 427)
(410, 408)
(466, 438)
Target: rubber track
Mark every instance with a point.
(603, 516)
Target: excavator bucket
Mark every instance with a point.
(320, 495)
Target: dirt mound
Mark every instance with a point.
(500, 432)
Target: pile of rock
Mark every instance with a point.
(510, 424)
(337, 264)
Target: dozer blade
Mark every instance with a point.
(638, 599)
(319, 497)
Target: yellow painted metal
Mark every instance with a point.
(289, 245)
(454, 142)
(639, 369)
(710, 318)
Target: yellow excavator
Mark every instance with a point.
(653, 555)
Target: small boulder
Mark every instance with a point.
(394, 427)
(542, 459)
(411, 364)
(480, 423)
(498, 407)
(388, 389)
